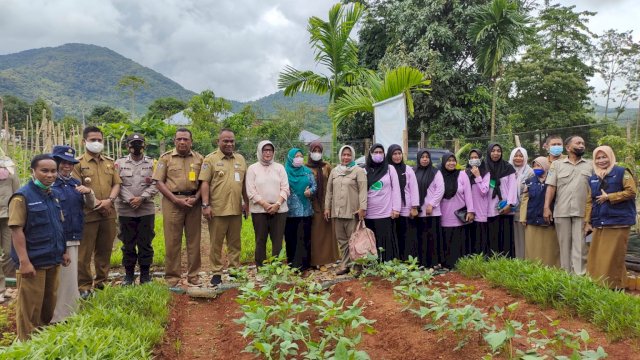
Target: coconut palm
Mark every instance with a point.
(334, 49)
(497, 29)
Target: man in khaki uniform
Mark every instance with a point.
(176, 177)
(9, 183)
(223, 190)
(98, 173)
(568, 181)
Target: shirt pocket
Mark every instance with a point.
(564, 176)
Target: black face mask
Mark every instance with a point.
(578, 152)
(137, 148)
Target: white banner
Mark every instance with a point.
(390, 122)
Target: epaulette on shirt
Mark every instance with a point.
(166, 153)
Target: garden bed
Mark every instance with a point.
(208, 329)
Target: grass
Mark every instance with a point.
(118, 323)
(614, 312)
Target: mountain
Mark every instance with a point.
(269, 104)
(77, 77)
(629, 114)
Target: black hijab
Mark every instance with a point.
(375, 171)
(498, 170)
(401, 169)
(482, 167)
(424, 175)
(450, 177)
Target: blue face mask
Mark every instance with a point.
(538, 172)
(555, 150)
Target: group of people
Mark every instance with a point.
(66, 214)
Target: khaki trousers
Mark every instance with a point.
(36, 300)
(176, 222)
(7, 267)
(344, 229)
(97, 242)
(68, 294)
(573, 248)
(221, 227)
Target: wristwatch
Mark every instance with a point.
(204, 206)
(113, 199)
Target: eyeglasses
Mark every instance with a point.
(267, 150)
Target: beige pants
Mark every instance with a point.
(97, 243)
(518, 237)
(68, 294)
(7, 267)
(36, 300)
(573, 248)
(176, 221)
(221, 227)
(344, 229)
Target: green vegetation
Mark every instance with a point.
(6, 314)
(117, 323)
(616, 313)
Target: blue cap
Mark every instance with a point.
(64, 152)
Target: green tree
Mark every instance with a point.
(37, 108)
(165, 107)
(334, 49)
(497, 29)
(205, 110)
(17, 109)
(105, 114)
(131, 84)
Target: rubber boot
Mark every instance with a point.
(145, 275)
(129, 277)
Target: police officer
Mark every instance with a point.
(136, 210)
(97, 172)
(223, 190)
(35, 219)
(176, 177)
(74, 198)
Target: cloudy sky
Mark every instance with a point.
(234, 47)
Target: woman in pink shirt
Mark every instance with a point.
(457, 197)
(503, 199)
(405, 225)
(430, 192)
(479, 178)
(383, 202)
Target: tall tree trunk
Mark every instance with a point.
(493, 109)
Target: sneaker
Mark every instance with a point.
(216, 280)
(145, 278)
(194, 282)
(99, 286)
(85, 294)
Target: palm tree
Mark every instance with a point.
(376, 88)
(336, 50)
(131, 84)
(497, 29)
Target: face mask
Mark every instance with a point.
(377, 158)
(94, 147)
(475, 162)
(316, 156)
(538, 172)
(40, 184)
(578, 152)
(297, 162)
(555, 150)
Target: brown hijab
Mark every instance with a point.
(318, 165)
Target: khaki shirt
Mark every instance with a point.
(173, 169)
(137, 180)
(572, 186)
(225, 175)
(99, 175)
(346, 194)
(7, 187)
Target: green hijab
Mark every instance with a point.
(298, 176)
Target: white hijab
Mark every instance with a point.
(262, 144)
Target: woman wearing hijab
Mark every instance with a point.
(297, 231)
(457, 196)
(324, 247)
(611, 211)
(383, 202)
(268, 189)
(345, 201)
(430, 192)
(503, 198)
(540, 240)
(479, 179)
(405, 225)
(519, 159)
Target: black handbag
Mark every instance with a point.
(461, 214)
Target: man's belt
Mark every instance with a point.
(185, 193)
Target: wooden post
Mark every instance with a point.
(367, 145)
(517, 140)
(456, 145)
(405, 143)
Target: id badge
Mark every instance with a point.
(237, 177)
(192, 175)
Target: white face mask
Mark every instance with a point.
(316, 156)
(475, 162)
(95, 147)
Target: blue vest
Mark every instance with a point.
(72, 204)
(622, 213)
(43, 228)
(535, 206)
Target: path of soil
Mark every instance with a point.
(204, 329)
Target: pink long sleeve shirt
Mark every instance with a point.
(461, 199)
(480, 193)
(380, 203)
(411, 194)
(434, 196)
(509, 190)
(267, 183)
